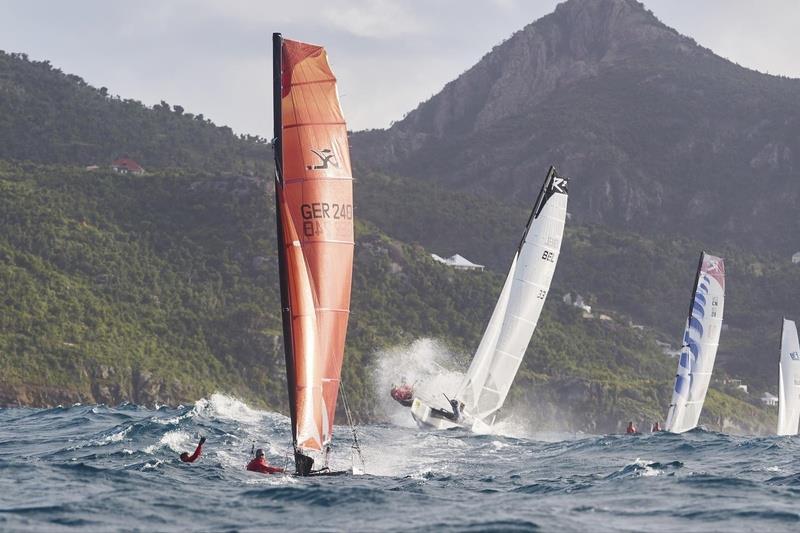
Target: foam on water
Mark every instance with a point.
(132, 478)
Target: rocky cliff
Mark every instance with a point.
(658, 133)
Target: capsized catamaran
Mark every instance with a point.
(789, 381)
(700, 342)
(314, 214)
(500, 352)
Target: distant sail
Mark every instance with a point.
(314, 200)
(700, 342)
(789, 383)
(517, 311)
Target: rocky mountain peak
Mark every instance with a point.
(564, 47)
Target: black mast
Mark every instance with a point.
(545, 193)
(277, 147)
(696, 283)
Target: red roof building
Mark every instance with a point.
(127, 166)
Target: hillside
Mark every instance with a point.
(647, 279)
(660, 135)
(47, 116)
(164, 289)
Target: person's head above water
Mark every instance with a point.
(185, 456)
(259, 453)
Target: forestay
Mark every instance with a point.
(700, 342)
(789, 381)
(517, 311)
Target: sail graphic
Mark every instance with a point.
(517, 311)
(789, 381)
(314, 213)
(700, 342)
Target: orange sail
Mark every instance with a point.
(314, 197)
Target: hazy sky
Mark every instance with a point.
(214, 56)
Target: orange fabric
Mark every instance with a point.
(259, 464)
(318, 195)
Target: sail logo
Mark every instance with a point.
(795, 355)
(559, 185)
(326, 157)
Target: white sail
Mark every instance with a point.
(506, 338)
(789, 383)
(700, 342)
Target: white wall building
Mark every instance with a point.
(769, 399)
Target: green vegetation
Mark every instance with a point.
(51, 117)
(163, 288)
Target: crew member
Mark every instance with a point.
(186, 458)
(656, 427)
(631, 430)
(259, 464)
(456, 409)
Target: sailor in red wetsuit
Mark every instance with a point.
(631, 430)
(186, 458)
(404, 394)
(259, 464)
(656, 427)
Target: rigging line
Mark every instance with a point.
(356, 445)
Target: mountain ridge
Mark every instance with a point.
(648, 124)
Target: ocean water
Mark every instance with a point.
(117, 468)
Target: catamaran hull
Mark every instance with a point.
(431, 419)
(426, 418)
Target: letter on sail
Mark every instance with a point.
(700, 342)
(789, 382)
(314, 204)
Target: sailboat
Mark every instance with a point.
(505, 340)
(789, 381)
(700, 342)
(314, 216)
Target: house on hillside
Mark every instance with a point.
(769, 400)
(458, 262)
(125, 165)
(796, 258)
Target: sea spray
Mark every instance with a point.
(427, 365)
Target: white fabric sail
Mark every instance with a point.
(700, 342)
(517, 311)
(789, 382)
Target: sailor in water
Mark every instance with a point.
(631, 429)
(186, 458)
(259, 464)
(656, 427)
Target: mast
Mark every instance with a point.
(277, 147)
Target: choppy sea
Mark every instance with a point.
(99, 468)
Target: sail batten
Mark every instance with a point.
(516, 314)
(700, 343)
(314, 198)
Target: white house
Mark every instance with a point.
(796, 258)
(458, 262)
(769, 399)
